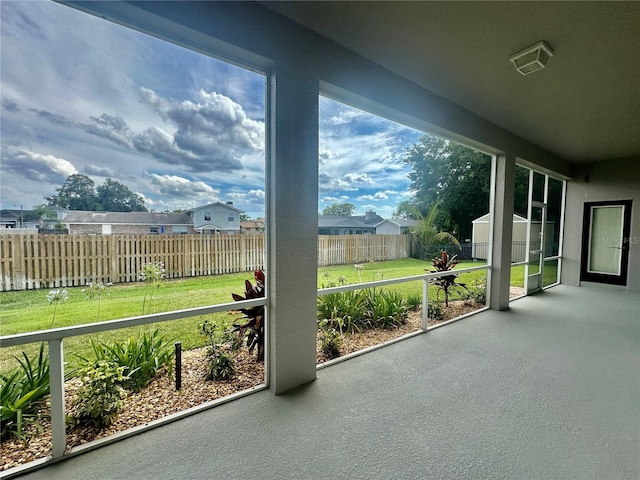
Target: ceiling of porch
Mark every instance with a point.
(584, 106)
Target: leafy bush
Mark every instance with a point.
(354, 311)
(475, 295)
(22, 392)
(330, 340)
(345, 311)
(254, 327)
(220, 364)
(435, 311)
(100, 397)
(413, 301)
(386, 308)
(142, 357)
(444, 264)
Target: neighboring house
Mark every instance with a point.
(9, 219)
(107, 223)
(216, 218)
(395, 226)
(369, 223)
(16, 218)
(213, 218)
(336, 225)
(252, 226)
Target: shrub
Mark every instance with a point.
(220, 364)
(444, 264)
(386, 308)
(100, 398)
(253, 329)
(142, 357)
(435, 311)
(345, 311)
(475, 295)
(413, 301)
(330, 340)
(22, 392)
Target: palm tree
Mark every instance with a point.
(429, 237)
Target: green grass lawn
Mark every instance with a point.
(29, 310)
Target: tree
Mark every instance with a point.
(113, 196)
(430, 237)
(79, 193)
(339, 210)
(76, 193)
(457, 177)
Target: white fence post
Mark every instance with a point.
(425, 304)
(56, 379)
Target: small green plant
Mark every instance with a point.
(141, 357)
(386, 308)
(413, 301)
(446, 284)
(475, 294)
(359, 267)
(55, 297)
(152, 274)
(330, 340)
(435, 311)
(345, 311)
(220, 364)
(101, 395)
(22, 392)
(95, 291)
(253, 328)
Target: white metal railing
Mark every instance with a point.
(55, 338)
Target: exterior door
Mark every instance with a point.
(535, 247)
(605, 242)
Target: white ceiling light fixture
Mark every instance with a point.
(532, 58)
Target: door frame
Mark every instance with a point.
(587, 276)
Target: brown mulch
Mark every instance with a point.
(160, 398)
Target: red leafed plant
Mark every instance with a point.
(444, 264)
(253, 328)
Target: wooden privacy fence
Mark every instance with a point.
(345, 249)
(53, 261)
(46, 261)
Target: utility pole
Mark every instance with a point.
(21, 215)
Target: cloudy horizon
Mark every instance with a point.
(177, 127)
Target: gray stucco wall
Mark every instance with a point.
(608, 180)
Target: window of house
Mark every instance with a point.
(153, 229)
(207, 216)
(231, 217)
(179, 229)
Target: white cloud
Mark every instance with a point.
(182, 188)
(340, 199)
(36, 166)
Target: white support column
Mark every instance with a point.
(502, 232)
(56, 389)
(292, 223)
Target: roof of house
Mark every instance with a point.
(131, 218)
(216, 204)
(252, 224)
(401, 222)
(325, 221)
(485, 218)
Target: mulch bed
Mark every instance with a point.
(160, 398)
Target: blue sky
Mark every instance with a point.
(82, 95)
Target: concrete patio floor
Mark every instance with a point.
(547, 390)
